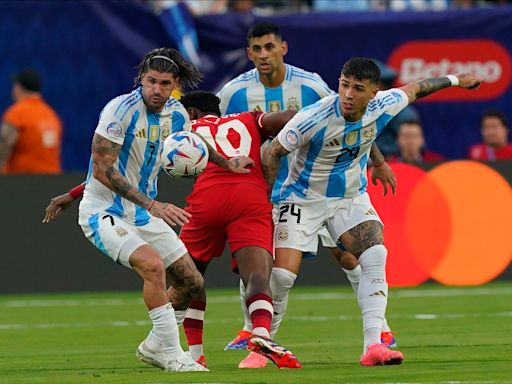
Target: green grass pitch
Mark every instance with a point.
(448, 335)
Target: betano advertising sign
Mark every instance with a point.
(450, 224)
(487, 59)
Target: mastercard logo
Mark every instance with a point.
(450, 224)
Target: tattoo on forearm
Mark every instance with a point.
(428, 86)
(108, 152)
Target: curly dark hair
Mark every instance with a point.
(169, 60)
(206, 102)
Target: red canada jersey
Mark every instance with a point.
(239, 134)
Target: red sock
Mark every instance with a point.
(260, 309)
(193, 323)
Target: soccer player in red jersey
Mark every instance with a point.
(245, 222)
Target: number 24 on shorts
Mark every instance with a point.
(290, 209)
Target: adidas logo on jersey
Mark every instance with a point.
(141, 133)
(371, 212)
(333, 143)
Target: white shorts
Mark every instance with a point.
(118, 239)
(298, 221)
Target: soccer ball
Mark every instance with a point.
(184, 154)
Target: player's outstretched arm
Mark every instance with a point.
(270, 161)
(381, 170)
(61, 202)
(425, 87)
(273, 122)
(104, 155)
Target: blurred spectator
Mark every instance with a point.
(387, 140)
(411, 145)
(341, 5)
(419, 5)
(241, 6)
(31, 131)
(494, 130)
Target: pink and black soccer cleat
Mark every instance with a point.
(379, 354)
(253, 360)
(275, 353)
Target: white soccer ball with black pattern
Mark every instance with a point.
(184, 154)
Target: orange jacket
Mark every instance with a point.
(40, 132)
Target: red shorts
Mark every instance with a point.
(239, 213)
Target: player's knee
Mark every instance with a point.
(281, 280)
(373, 259)
(152, 269)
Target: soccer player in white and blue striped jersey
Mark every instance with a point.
(326, 183)
(274, 85)
(119, 213)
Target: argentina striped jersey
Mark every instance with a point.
(246, 93)
(331, 153)
(126, 121)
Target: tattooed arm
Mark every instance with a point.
(235, 165)
(425, 87)
(270, 161)
(104, 155)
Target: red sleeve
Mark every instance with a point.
(77, 191)
(258, 117)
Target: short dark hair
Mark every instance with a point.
(206, 102)
(169, 60)
(361, 68)
(262, 29)
(29, 79)
(493, 112)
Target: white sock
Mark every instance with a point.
(372, 294)
(180, 316)
(196, 351)
(281, 281)
(245, 310)
(165, 329)
(353, 275)
(152, 342)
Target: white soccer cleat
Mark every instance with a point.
(184, 363)
(149, 356)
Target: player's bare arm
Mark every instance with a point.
(363, 236)
(104, 155)
(270, 161)
(8, 137)
(425, 87)
(273, 122)
(381, 170)
(60, 203)
(236, 164)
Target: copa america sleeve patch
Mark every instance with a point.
(114, 129)
(292, 138)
